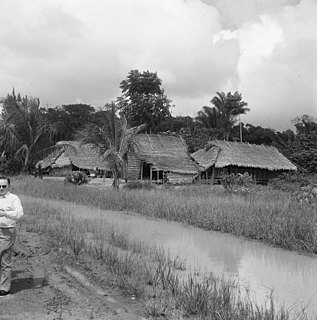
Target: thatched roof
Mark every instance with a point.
(50, 159)
(70, 152)
(227, 153)
(164, 152)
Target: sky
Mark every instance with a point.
(78, 51)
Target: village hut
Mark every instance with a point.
(161, 158)
(225, 157)
(69, 156)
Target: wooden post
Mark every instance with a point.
(212, 175)
(151, 174)
(141, 170)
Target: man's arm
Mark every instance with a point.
(13, 212)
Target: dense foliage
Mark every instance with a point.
(77, 177)
(27, 130)
(143, 100)
(24, 131)
(238, 183)
(220, 119)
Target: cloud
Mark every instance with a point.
(68, 51)
(281, 84)
(236, 13)
(277, 61)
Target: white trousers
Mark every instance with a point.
(7, 239)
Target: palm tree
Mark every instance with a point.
(211, 119)
(113, 141)
(229, 107)
(24, 130)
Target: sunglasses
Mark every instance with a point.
(3, 187)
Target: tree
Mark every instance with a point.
(212, 120)
(143, 100)
(69, 119)
(113, 141)
(59, 118)
(228, 107)
(78, 115)
(258, 135)
(305, 144)
(24, 130)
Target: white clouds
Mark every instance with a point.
(65, 51)
(283, 85)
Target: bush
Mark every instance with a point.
(9, 166)
(302, 186)
(293, 181)
(77, 177)
(237, 183)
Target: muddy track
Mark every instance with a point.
(47, 285)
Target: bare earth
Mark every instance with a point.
(48, 285)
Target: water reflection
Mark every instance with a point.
(258, 267)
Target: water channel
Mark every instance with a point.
(258, 267)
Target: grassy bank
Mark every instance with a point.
(267, 215)
(149, 274)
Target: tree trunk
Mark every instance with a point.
(116, 180)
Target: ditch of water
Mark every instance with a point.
(261, 269)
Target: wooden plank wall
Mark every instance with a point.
(61, 172)
(134, 164)
(177, 178)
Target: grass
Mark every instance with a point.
(149, 274)
(268, 215)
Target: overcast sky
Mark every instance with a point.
(78, 51)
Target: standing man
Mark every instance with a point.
(10, 211)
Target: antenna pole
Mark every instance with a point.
(240, 128)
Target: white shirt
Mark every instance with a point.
(13, 207)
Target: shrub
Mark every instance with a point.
(237, 183)
(9, 166)
(302, 186)
(77, 177)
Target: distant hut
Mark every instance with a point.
(161, 158)
(225, 157)
(69, 156)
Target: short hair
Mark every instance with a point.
(6, 178)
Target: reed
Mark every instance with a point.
(267, 215)
(150, 275)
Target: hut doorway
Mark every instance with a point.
(150, 173)
(146, 171)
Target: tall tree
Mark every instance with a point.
(212, 120)
(24, 130)
(143, 100)
(228, 108)
(113, 141)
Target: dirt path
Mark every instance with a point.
(47, 285)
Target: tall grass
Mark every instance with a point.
(267, 215)
(149, 274)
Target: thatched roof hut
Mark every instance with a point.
(70, 155)
(158, 155)
(261, 161)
